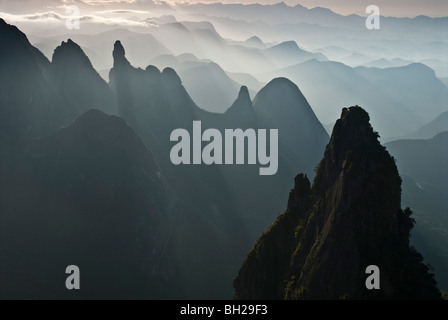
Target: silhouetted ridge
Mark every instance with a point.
(320, 247)
(351, 133)
(169, 76)
(80, 85)
(281, 104)
(70, 51)
(153, 70)
(243, 96)
(288, 45)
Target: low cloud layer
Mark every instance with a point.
(399, 8)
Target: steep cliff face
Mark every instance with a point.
(350, 218)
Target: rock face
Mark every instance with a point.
(350, 218)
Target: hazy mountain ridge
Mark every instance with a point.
(154, 113)
(32, 102)
(396, 106)
(423, 165)
(434, 127)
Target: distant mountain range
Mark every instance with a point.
(393, 96)
(207, 64)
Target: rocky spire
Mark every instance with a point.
(119, 55)
(242, 107)
(350, 219)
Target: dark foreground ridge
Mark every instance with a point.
(351, 217)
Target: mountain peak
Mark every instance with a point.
(281, 81)
(11, 36)
(321, 246)
(281, 4)
(119, 55)
(353, 138)
(78, 81)
(243, 94)
(242, 107)
(282, 104)
(69, 52)
(255, 41)
(289, 44)
(353, 129)
(170, 75)
(280, 90)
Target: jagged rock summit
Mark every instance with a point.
(350, 218)
(119, 55)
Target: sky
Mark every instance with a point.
(399, 8)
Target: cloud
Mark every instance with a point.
(53, 17)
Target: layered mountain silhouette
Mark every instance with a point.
(155, 103)
(288, 53)
(350, 218)
(86, 177)
(394, 97)
(86, 162)
(38, 97)
(78, 82)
